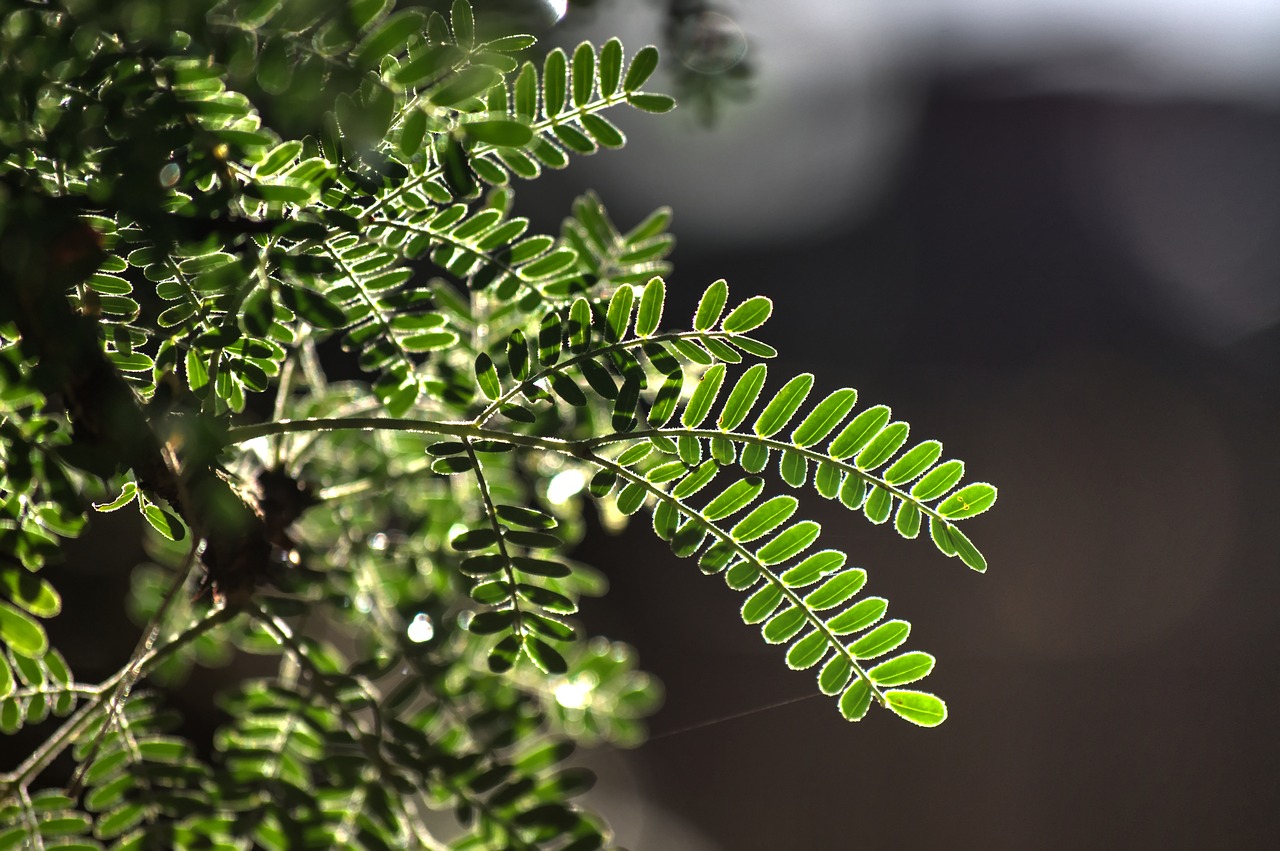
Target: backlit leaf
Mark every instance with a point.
(751, 314)
(711, 305)
(650, 312)
(824, 417)
(764, 519)
(859, 431)
(921, 708)
(808, 651)
(742, 397)
(904, 669)
(703, 397)
(734, 498)
(968, 501)
(20, 632)
(784, 405)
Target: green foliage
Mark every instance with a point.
(197, 198)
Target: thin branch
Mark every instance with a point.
(145, 644)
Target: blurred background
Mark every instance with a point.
(1047, 232)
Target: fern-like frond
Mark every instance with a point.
(589, 356)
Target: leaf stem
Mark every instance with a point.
(74, 726)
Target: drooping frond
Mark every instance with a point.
(610, 358)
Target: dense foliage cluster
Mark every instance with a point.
(211, 210)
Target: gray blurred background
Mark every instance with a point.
(1047, 232)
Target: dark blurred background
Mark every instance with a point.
(1048, 234)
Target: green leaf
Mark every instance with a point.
(511, 43)
(858, 432)
(525, 94)
(878, 505)
(163, 522)
(624, 409)
(602, 130)
(703, 397)
(631, 497)
(7, 683)
(882, 446)
(813, 568)
(518, 414)
(618, 317)
(279, 156)
(904, 669)
(914, 462)
(940, 531)
(487, 376)
(734, 498)
(540, 567)
(966, 550)
(315, 308)
(389, 37)
(30, 592)
(742, 397)
(650, 312)
(464, 23)
(881, 640)
(835, 674)
(469, 82)
(789, 543)
(825, 416)
(429, 342)
(742, 576)
(21, 633)
(783, 626)
(761, 604)
(938, 481)
(968, 501)
(784, 405)
(808, 651)
(555, 80)
(764, 519)
(271, 192)
(499, 131)
(474, 539)
(836, 590)
(666, 401)
(711, 305)
(695, 481)
(127, 495)
(793, 467)
(610, 67)
(856, 700)
(584, 73)
(579, 326)
(648, 102)
(427, 65)
(518, 355)
(918, 707)
(643, 64)
(550, 338)
(858, 616)
(546, 657)
(451, 466)
(751, 314)
(907, 520)
(601, 380)
(754, 457)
